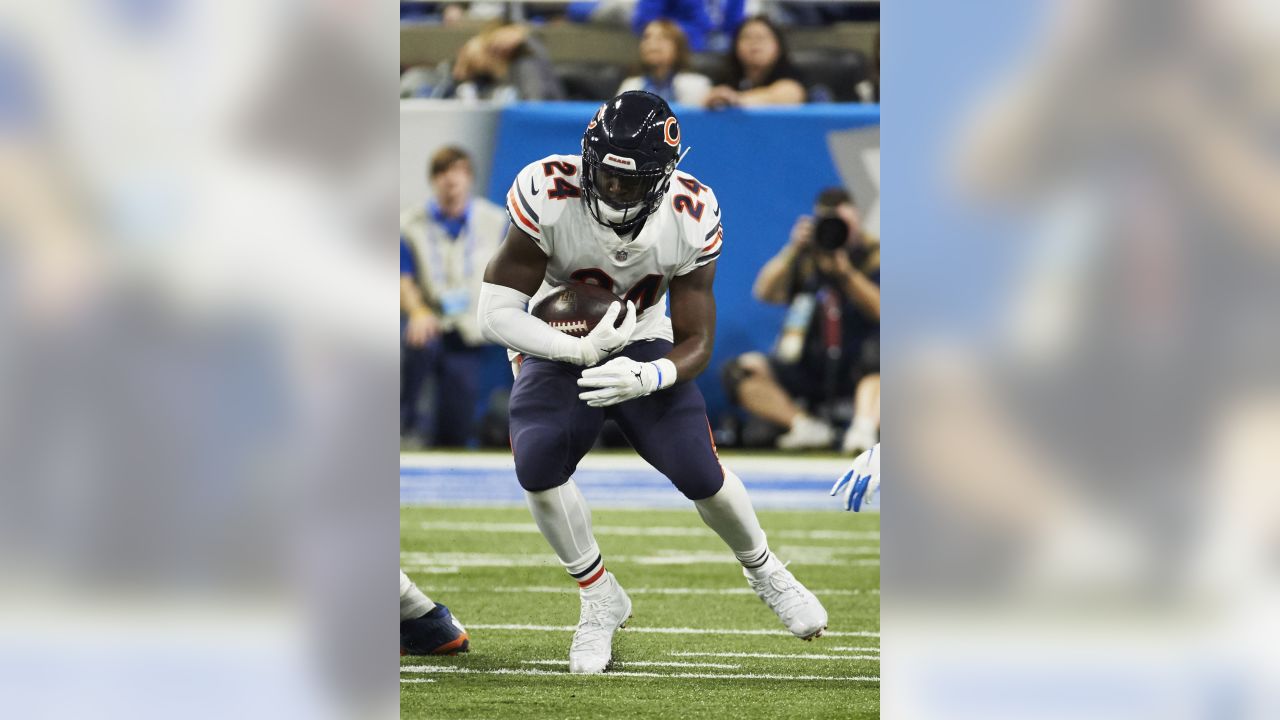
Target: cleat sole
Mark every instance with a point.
(460, 644)
(816, 634)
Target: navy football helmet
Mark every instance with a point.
(629, 151)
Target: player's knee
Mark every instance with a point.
(741, 369)
(692, 467)
(699, 484)
(539, 456)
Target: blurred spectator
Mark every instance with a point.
(449, 13)
(664, 56)
(701, 20)
(829, 349)
(760, 69)
(823, 14)
(418, 11)
(444, 247)
(604, 12)
(503, 63)
(868, 89)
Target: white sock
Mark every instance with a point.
(413, 603)
(562, 515)
(730, 514)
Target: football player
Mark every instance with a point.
(622, 216)
(428, 628)
(862, 482)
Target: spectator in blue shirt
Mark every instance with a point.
(700, 19)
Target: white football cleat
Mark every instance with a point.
(794, 605)
(603, 612)
(807, 433)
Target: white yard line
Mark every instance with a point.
(416, 680)
(782, 656)
(841, 648)
(446, 669)
(573, 590)
(669, 630)
(425, 561)
(641, 663)
(650, 531)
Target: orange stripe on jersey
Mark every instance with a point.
(515, 207)
(711, 245)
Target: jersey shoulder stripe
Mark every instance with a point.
(524, 202)
(704, 259)
(713, 247)
(519, 218)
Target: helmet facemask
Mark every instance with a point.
(618, 197)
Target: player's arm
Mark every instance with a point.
(693, 321)
(511, 278)
(519, 263)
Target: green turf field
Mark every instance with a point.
(493, 569)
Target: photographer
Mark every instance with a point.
(829, 275)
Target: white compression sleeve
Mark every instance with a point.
(413, 603)
(562, 515)
(503, 320)
(730, 514)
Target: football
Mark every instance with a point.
(575, 308)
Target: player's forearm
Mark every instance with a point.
(503, 320)
(691, 356)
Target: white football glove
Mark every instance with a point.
(622, 379)
(862, 481)
(605, 340)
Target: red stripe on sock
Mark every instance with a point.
(596, 576)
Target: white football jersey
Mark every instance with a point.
(683, 234)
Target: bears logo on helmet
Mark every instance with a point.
(671, 132)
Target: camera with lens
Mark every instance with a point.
(830, 233)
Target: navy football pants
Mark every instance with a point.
(551, 429)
